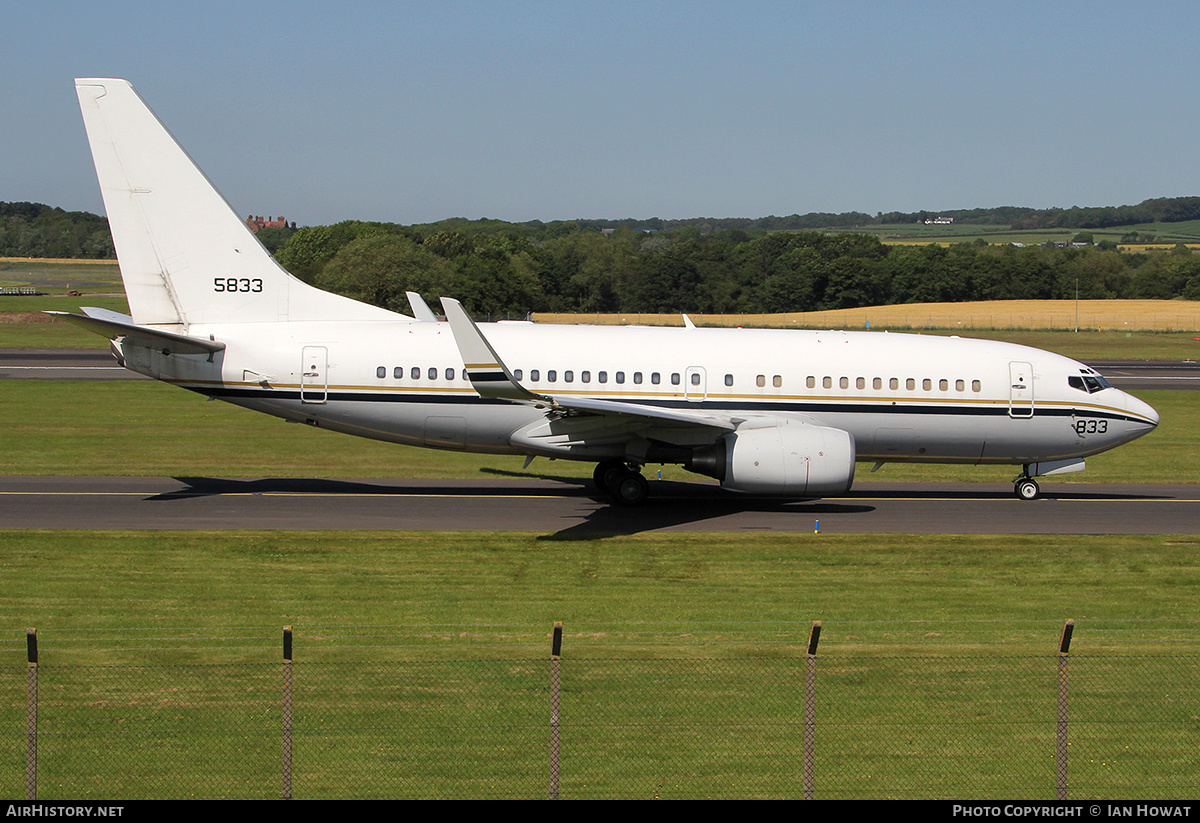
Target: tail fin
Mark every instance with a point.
(186, 257)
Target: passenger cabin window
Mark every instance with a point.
(777, 381)
(398, 372)
(381, 372)
(729, 380)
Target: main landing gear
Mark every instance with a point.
(622, 482)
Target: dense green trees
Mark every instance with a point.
(709, 266)
(36, 230)
(583, 270)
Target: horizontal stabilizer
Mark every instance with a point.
(106, 323)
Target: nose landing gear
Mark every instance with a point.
(1027, 488)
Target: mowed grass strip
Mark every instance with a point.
(143, 428)
(421, 663)
(657, 594)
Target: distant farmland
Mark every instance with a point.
(1092, 315)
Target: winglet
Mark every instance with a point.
(420, 308)
(487, 373)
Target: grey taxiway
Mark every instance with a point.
(569, 507)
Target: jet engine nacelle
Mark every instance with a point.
(790, 459)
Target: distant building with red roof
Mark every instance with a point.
(257, 223)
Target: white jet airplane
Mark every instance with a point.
(771, 412)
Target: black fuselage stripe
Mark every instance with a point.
(868, 407)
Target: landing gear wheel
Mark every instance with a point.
(606, 474)
(630, 489)
(1027, 488)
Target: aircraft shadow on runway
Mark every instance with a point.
(671, 504)
(611, 520)
(212, 486)
(674, 503)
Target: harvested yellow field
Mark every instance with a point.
(1091, 315)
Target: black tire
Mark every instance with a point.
(630, 489)
(606, 474)
(1027, 488)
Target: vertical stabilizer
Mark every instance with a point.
(186, 257)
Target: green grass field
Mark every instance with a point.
(422, 663)
(1166, 234)
(662, 594)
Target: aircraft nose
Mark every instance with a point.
(1142, 410)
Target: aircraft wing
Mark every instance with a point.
(491, 378)
(614, 407)
(111, 324)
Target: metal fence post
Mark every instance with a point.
(31, 715)
(287, 713)
(555, 694)
(1064, 646)
(810, 710)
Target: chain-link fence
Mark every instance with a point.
(860, 721)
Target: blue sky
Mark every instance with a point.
(416, 111)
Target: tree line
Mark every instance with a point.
(503, 268)
(728, 271)
(37, 230)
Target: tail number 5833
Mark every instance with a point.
(237, 284)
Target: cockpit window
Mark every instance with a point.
(1090, 382)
